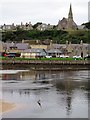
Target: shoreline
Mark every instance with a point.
(43, 62)
(46, 65)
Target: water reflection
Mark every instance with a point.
(63, 91)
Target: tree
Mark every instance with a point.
(60, 36)
(36, 25)
(87, 25)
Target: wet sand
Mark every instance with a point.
(6, 106)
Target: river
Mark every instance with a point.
(62, 94)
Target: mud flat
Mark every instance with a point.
(6, 106)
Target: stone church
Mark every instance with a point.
(67, 23)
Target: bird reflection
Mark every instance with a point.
(39, 103)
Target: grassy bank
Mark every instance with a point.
(18, 58)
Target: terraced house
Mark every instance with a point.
(55, 50)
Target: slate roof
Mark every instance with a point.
(19, 46)
(38, 51)
(73, 45)
(34, 50)
(58, 46)
(54, 51)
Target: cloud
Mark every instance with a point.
(89, 11)
(47, 11)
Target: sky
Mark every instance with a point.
(46, 11)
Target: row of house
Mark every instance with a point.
(62, 25)
(27, 26)
(55, 50)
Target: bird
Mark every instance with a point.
(39, 103)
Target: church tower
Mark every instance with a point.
(70, 19)
(67, 23)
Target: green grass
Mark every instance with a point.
(3, 58)
(56, 58)
(18, 58)
(87, 59)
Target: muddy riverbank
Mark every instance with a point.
(46, 65)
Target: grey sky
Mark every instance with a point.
(46, 11)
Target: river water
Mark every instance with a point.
(62, 94)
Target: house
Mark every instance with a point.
(80, 49)
(77, 49)
(81, 27)
(16, 47)
(1, 46)
(71, 50)
(33, 53)
(36, 43)
(26, 26)
(39, 46)
(44, 26)
(54, 52)
(8, 27)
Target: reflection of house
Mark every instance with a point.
(28, 75)
(33, 53)
(10, 77)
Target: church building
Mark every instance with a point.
(67, 23)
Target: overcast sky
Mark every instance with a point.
(46, 11)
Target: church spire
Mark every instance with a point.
(70, 18)
(70, 15)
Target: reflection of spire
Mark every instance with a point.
(68, 100)
(68, 88)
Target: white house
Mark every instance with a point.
(33, 53)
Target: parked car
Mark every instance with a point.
(11, 55)
(87, 57)
(64, 56)
(48, 56)
(77, 57)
